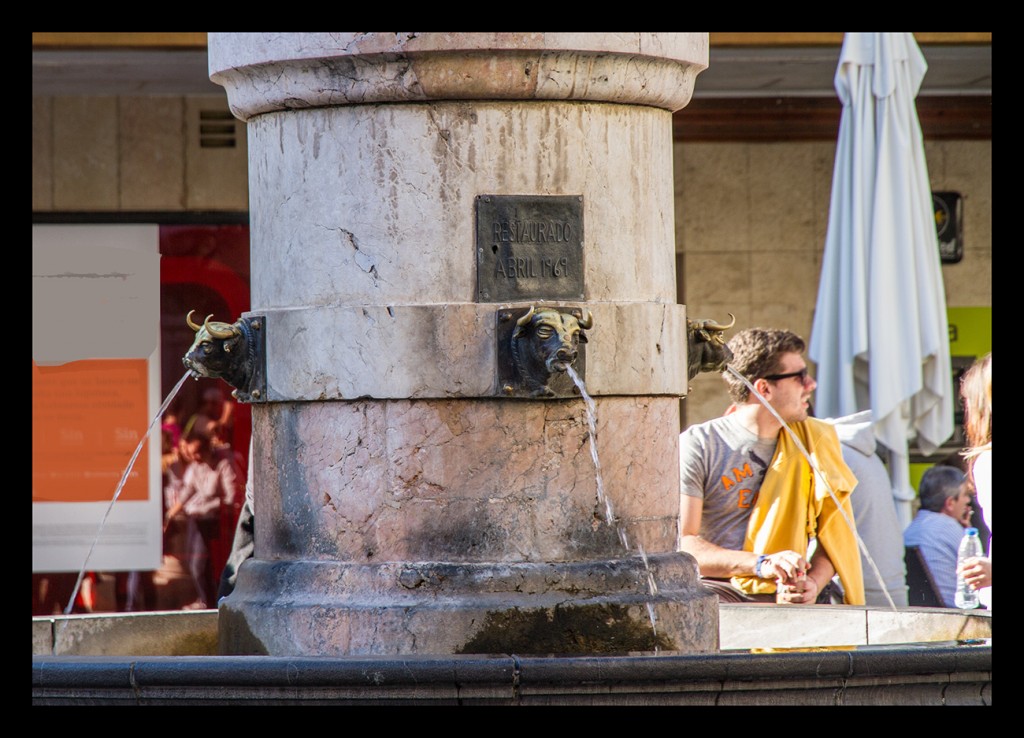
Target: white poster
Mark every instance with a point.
(95, 397)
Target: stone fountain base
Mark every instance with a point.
(797, 655)
(330, 608)
(907, 675)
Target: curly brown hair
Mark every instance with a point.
(757, 352)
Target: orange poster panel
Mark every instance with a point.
(87, 420)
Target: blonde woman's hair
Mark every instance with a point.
(976, 391)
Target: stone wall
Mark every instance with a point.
(123, 154)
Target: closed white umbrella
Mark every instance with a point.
(880, 334)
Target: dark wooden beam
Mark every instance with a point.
(813, 38)
(759, 38)
(118, 40)
(817, 119)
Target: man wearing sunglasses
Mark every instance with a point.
(750, 545)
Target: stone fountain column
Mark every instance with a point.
(409, 193)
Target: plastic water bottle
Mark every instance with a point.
(970, 545)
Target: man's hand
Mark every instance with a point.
(803, 591)
(785, 567)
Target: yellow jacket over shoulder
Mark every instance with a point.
(794, 505)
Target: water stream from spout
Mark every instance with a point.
(120, 486)
(821, 479)
(602, 498)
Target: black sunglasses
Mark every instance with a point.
(802, 374)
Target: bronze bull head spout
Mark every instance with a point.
(706, 347)
(545, 342)
(228, 351)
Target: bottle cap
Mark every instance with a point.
(971, 532)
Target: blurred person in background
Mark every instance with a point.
(938, 526)
(210, 483)
(976, 391)
(874, 510)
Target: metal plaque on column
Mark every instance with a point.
(529, 247)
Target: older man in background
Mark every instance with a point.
(939, 524)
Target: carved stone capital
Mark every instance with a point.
(264, 72)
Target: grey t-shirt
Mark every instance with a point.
(723, 463)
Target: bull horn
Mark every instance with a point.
(709, 326)
(526, 318)
(216, 332)
(193, 326)
(587, 322)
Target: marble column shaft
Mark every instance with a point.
(384, 437)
